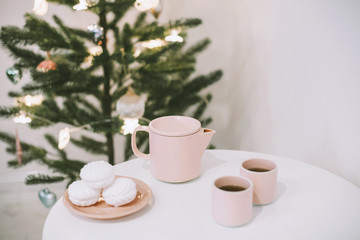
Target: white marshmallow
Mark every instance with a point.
(98, 174)
(81, 194)
(120, 192)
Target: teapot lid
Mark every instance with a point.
(174, 126)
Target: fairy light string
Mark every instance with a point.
(65, 133)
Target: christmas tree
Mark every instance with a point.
(147, 73)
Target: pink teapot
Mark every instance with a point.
(177, 144)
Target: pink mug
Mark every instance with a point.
(177, 144)
(263, 173)
(232, 200)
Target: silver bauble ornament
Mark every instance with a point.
(40, 7)
(130, 105)
(47, 197)
(97, 32)
(14, 74)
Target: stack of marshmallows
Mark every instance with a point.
(98, 179)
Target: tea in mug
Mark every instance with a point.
(258, 169)
(232, 188)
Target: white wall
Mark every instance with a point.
(291, 76)
(299, 81)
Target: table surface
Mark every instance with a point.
(312, 204)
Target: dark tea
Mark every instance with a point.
(232, 188)
(258, 169)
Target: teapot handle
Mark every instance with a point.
(135, 149)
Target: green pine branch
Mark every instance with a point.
(42, 179)
(54, 143)
(140, 21)
(69, 3)
(7, 112)
(199, 111)
(68, 31)
(188, 22)
(88, 144)
(44, 35)
(203, 81)
(197, 48)
(30, 152)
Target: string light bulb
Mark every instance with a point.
(154, 43)
(93, 51)
(82, 5)
(22, 118)
(137, 52)
(64, 138)
(174, 37)
(138, 48)
(129, 125)
(40, 7)
(29, 100)
(96, 50)
(144, 5)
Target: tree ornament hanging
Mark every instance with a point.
(18, 148)
(14, 74)
(97, 32)
(155, 11)
(47, 197)
(144, 5)
(40, 7)
(130, 105)
(64, 138)
(46, 65)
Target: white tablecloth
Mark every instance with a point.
(312, 204)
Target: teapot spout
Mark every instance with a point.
(205, 137)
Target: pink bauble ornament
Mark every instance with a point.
(46, 66)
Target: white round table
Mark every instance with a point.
(312, 204)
